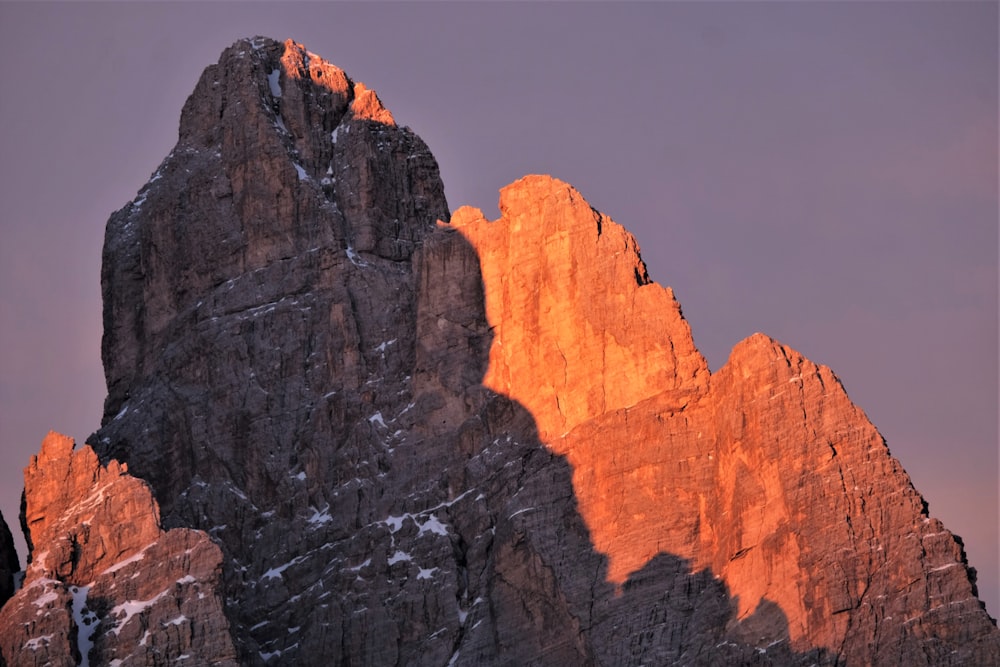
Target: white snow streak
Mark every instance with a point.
(274, 83)
(135, 558)
(319, 517)
(86, 623)
(433, 525)
(36, 643)
(398, 557)
(276, 572)
(132, 607)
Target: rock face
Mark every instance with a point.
(417, 441)
(760, 473)
(106, 585)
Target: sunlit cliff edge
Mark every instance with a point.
(345, 426)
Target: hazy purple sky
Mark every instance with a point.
(824, 173)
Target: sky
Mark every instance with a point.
(825, 173)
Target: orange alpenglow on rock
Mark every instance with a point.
(726, 471)
(106, 581)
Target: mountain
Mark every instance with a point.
(344, 426)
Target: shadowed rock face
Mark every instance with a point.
(9, 565)
(475, 443)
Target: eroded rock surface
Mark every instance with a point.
(475, 442)
(106, 585)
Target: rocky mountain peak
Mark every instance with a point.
(579, 328)
(356, 431)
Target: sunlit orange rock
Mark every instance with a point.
(105, 579)
(579, 328)
(764, 473)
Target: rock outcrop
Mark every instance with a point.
(421, 441)
(106, 585)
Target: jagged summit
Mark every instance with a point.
(396, 439)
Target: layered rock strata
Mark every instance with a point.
(106, 585)
(480, 443)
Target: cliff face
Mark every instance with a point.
(399, 440)
(104, 579)
(760, 473)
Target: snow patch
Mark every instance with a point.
(132, 607)
(86, 623)
(45, 598)
(433, 525)
(333, 135)
(398, 557)
(37, 642)
(276, 572)
(232, 489)
(944, 567)
(320, 517)
(377, 419)
(426, 574)
(526, 509)
(274, 83)
(356, 568)
(303, 176)
(355, 258)
(135, 558)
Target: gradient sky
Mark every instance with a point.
(825, 173)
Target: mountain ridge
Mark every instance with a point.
(393, 473)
